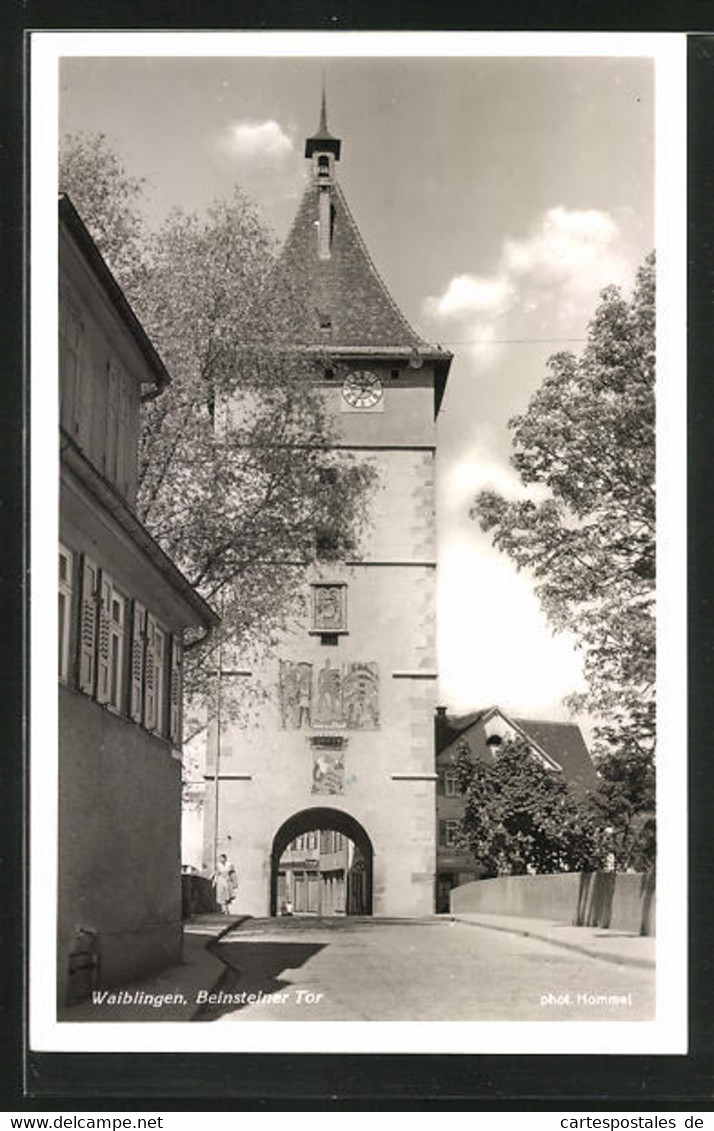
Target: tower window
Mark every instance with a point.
(323, 166)
(327, 476)
(326, 543)
(325, 322)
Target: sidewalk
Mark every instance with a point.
(172, 994)
(610, 946)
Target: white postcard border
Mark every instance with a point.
(668, 1033)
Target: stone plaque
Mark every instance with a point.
(295, 694)
(360, 696)
(328, 772)
(330, 611)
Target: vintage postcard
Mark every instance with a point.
(353, 343)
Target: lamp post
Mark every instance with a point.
(220, 674)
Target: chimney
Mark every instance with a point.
(441, 730)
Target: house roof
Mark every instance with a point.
(565, 743)
(72, 221)
(562, 743)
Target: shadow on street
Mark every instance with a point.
(251, 967)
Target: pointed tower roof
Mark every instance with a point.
(323, 139)
(346, 308)
(345, 290)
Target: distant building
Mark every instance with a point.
(313, 874)
(560, 746)
(123, 608)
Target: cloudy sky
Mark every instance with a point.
(497, 197)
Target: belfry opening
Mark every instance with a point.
(321, 865)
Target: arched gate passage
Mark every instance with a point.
(322, 819)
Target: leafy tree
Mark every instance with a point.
(587, 437)
(624, 805)
(522, 817)
(237, 474)
(109, 200)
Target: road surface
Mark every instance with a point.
(433, 969)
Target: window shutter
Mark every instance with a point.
(150, 674)
(137, 662)
(123, 453)
(88, 626)
(103, 642)
(175, 689)
(110, 445)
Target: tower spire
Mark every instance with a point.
(323, 142)
(322, 128)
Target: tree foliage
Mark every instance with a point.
(624, 806)
(522, 817)
(237, 472)
(587, 437)
(109, 200)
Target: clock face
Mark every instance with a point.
(362, 388)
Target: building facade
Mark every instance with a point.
(560, 747)
(123, 608)
(314, 873)
(345, 739)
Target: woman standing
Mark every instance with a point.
(225, 883)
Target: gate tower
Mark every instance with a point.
(348, 726)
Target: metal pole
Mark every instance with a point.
(220, 673)
(217, 772)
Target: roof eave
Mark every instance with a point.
(325, 144)
(113, 502)
(70, 217)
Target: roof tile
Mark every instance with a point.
(345, 290)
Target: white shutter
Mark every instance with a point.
(103, 640)
(88, 626)
(176, 689)
(150, 674)
(137, 662)
(160, 658)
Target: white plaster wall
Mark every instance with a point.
(266, 771)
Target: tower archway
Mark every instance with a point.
(323, 819)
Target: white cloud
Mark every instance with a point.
(573, 248)
(554, 273)
(476, 472)
(261, 140)
(467, 294)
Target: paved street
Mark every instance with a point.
(427, 970)
(431, 969)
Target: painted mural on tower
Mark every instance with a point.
(340, 696)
